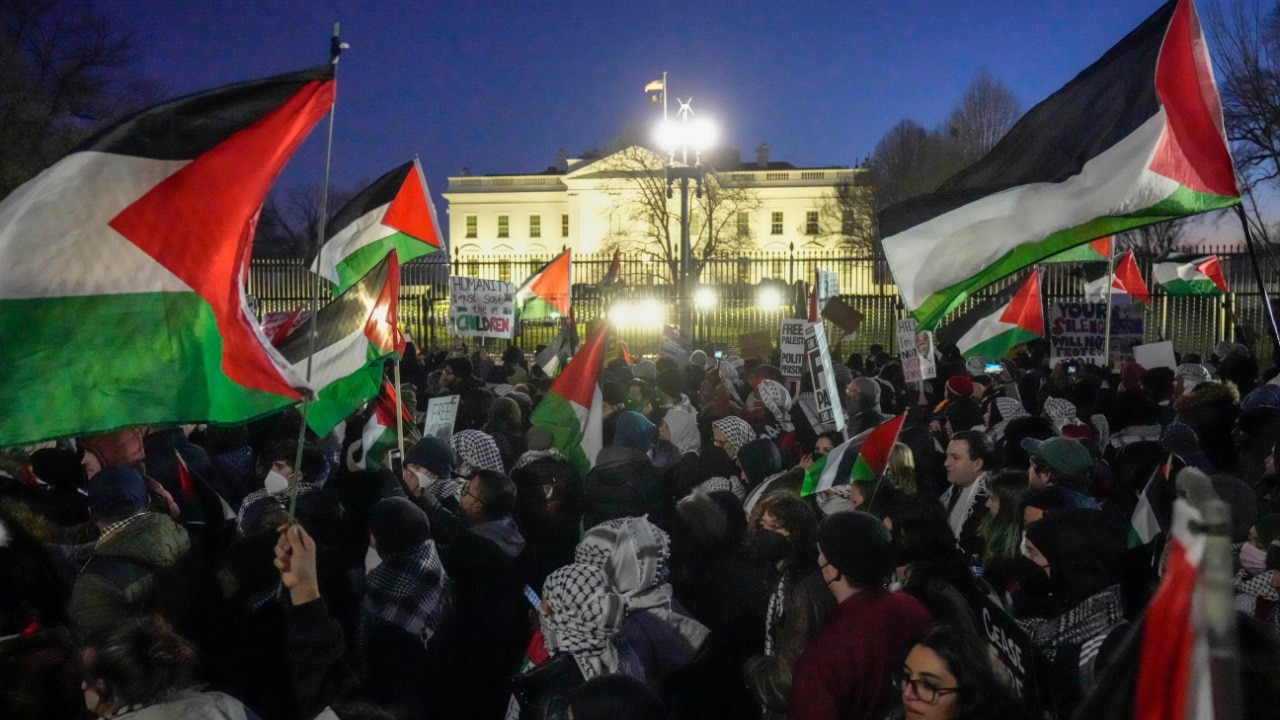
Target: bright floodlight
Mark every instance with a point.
(652, 313)
(769, 298)
(622, 314)
(698, 135)
(648, 312)
(704, 298)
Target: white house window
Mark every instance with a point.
(775, 226)
(535, 226)
(811, 222)
(744, 223)
(504, 226)
(564, 226)
(472, 230)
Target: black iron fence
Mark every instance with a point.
(755, 292)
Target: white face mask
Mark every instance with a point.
(275, 483)
(1252, 559)
(424, 480)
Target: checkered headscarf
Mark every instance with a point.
(729, 379)
(778, 401)
(408, 590)
(736, 430)
(475, 450)
(586, 615)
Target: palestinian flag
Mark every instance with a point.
(132, 250)
(1096, 251)
(1182, 274)
(610, 278)
(571, 410)
(354, 333)
(379, 436)
(860, 459)
(1174, 678)
(1127, 279)
(1133, 140)
(991, 330)
(1145, 520)
(556, 355)
(393, 213)
(277, 326)
(546, 293)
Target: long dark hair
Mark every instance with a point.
(981, 694)
(137, 661)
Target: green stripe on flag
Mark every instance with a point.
(1181, 203)
(157, 358)
(998, 346)
(555, 413)
(356, 265)
(1194, 287)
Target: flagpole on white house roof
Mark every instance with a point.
(335, 49)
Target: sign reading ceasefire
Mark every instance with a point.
(481, 308)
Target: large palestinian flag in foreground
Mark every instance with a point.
(991, 330)
(1135, 139)
(572, 409)
(546, 293)
(121, 301)
(394, 213)
(354, 333)
(1182, 274)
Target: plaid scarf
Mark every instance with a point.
(736, 430)
(778, 402)
(586, 615)
(475, 450)
(409, 591)
(1093, 617)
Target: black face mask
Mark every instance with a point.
(1273, 556)
(768, 546)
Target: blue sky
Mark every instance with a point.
(500, 86)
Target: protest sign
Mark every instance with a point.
(916, 351)
(828, 284)
(825, 392)
(1154, 355)
(791, 344)
(1010, 646)
(673, 346)
(441, 414)
(754, 345)
(1076, 331)
(481, 308)
(843, 316)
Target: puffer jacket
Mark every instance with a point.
(624, 483)
(116, 581)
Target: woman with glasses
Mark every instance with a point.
(948, 676)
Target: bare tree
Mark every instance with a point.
(645, 214)
(290, 218)
(986, 112)
(68, 71)
(1151, 239)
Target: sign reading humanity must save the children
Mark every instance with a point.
(481, 308)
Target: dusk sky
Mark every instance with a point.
(500, 86)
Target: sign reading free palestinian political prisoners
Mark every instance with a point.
(791, 345)
(481, 308)
(825, 392)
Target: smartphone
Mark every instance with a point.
(719, 354)
(994, 368)
(395, 461)
(532, 597)
(1072, 368)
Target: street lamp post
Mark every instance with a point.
(685, 136)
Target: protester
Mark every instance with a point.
(969, 464)
(948, 676)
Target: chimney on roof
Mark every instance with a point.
(562, 160)
(762, 156)
(465, 171)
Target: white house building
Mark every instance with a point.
(593, 204)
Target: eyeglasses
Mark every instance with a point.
(923, 689)
(467, 491)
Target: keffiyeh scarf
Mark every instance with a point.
(1009, 409)
(729, 380)
(586, 615)
(1060, 412)
(531, 456)
(777, 401)
(723, 484)
(409, 591)
(475, 451)
(736, 430)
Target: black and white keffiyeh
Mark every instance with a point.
(530, 456)
(729, 379)
(777, 401)
(475, 450)
(586, 615)
(410, 591)
(736, 430)
(717, 484)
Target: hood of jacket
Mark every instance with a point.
(1207, 395)
(153, 539)
(503, 533)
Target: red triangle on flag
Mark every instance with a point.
(383, 327)
(552, 284)
(197, 222)
(384, 406)
(577, 382)
(1025, 308)
(409, 212)
(1102, 246)
(1212, 269)
(1128, 278)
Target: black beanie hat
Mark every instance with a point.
(858, 545)
(433, 454)
(398, 526)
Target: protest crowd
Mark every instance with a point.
(693, 572)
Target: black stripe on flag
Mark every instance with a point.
(189, 126)
(342, 316)
(1101, 106)
(380, 192)
(950, 332)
